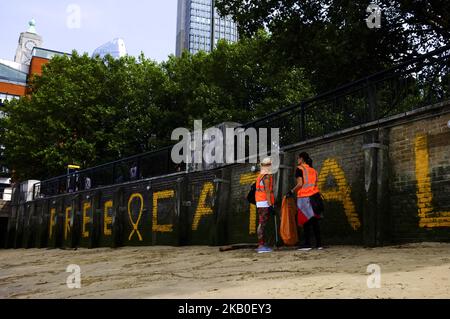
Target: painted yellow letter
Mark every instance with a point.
(248, 179)
(52, 222)
(157, 196)
(67, 221)
(107, 219)
(427, 217)
(202, 209)
(342, 193)
(86, 219)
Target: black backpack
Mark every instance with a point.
(251, 194)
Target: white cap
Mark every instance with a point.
(267, 161)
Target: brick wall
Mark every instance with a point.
(341, 182)
(386, 182)
(419, 154)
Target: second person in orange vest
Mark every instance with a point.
(309, 201)
(264, 202)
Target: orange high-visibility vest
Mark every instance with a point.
(260, 195)
(309, 187)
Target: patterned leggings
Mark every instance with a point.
(263, 213)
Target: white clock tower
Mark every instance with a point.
(27, 41)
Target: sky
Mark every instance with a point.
(147, 26)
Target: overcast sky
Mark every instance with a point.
(145, 25)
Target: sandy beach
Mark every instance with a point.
(407, 271)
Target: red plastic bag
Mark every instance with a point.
(288, 227)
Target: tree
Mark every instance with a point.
(330, 38)
(139, 92)
(83, 111)
(236, 82)
(59, 124)
(89, 111)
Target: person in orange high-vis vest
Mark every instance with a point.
(265, 200)
(309, 201)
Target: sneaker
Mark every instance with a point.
(263, 250)
(305, 248)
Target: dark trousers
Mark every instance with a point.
(263, 218)
(312, 225)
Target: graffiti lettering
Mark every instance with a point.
(107, 219)
(52, 222)
(67, 221)
(427, 216)
(248, 179)
(158, 196)
(86, 219)
(141, 208)
(342, 193)
(203, 209)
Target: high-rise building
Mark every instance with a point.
(199, 26)
(116, 48)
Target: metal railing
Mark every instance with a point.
(412, 84)
(129, 169)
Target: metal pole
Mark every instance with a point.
(371, 101)
(302, 122)
(113, 173)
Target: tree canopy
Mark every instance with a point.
(89, 111)
(330, 38)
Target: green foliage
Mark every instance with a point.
(330, 40)
(89, 111)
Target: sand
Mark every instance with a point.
(407, 271)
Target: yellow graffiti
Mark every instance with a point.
(248, 179)
(86, 219)
(342, 193)
(52, 222)
(202, 209)
(157, 196)
(67, 222)
(141, 209)
(107, 219)
(427, 218)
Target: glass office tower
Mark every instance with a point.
(199, 26)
